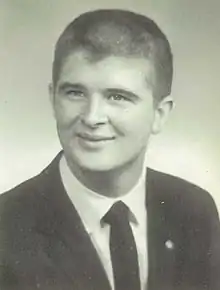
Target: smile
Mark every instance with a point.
(93, 142)
(94, 138)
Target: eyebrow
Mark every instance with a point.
(67, 85)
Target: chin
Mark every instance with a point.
(96, 166)
(98, 161)
(95, 163)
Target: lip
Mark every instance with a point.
(94, 138)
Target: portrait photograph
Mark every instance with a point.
(109, 138)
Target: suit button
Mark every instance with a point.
(169, 245)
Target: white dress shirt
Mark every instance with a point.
(92, 206)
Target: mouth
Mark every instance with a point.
(94, 138)
(93, 142)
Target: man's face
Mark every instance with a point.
(104, 110)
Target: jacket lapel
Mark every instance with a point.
(69, 245)
(163, 240)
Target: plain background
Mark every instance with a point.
(188, 146)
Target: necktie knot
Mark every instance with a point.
(118, 213)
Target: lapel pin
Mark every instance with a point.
(169, 245)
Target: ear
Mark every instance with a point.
(162, 111)
(51, 95)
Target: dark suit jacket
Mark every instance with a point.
(43, 244)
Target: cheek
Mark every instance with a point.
(136, 123)
(66, 113)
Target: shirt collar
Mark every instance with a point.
(92, 206)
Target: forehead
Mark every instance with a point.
(81, 66)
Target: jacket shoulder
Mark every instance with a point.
(20, 194)
(32, 189)
(178, 191)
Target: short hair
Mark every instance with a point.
(118, 32)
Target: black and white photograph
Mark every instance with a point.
(110, 137)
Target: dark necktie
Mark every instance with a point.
(123, 248)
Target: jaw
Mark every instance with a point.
(107, 180)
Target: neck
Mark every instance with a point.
(111, 183)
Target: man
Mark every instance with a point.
(96, 218)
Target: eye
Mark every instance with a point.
(117, 97)
(75, 93)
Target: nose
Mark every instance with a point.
(94, 112)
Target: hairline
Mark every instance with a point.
(67, 44)
(95, 58)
